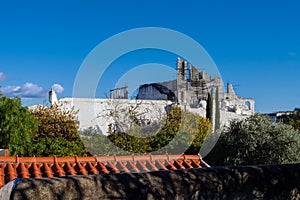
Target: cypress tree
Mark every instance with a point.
(217, 115)
(209, 107)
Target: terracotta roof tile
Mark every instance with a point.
(36, 170)
(47, 170)
(37, 167)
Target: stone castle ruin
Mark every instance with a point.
(190, 91)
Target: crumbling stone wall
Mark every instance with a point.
(232, 103)
(245, 182)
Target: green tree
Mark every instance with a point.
(57, 132)
(17, 127)
(217, 106)
(294, 119)
(256, 140)
(200, 133)
(97, 144)
(189, 130)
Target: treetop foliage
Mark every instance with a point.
(57, 132)
(294, 120)
(256, 140)
(182, 131)
(17, 127)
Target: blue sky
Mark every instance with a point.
(255, 44)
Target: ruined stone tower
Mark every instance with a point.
(181, 82)
(190, 90)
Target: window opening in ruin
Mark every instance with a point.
(248, 105)
(200, 76)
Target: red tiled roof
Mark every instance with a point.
(37, 167)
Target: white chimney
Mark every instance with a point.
(52, 96)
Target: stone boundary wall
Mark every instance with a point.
(242, 182)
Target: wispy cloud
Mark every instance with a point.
(57, 88)
(28, 90)
(2, 76)
(292, 54)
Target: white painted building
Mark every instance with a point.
(100, 113)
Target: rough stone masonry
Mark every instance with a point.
(242, 182)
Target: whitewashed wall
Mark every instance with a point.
(98, 113)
